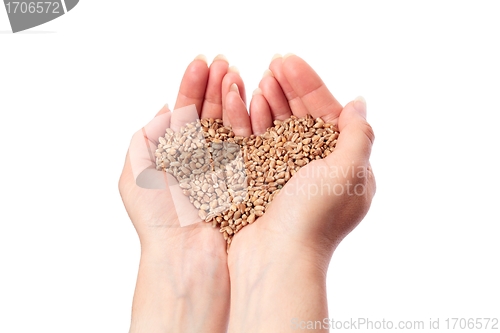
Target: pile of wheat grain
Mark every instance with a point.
(231, 180)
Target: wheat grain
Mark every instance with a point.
(232, 180)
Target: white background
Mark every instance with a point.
(73, 91)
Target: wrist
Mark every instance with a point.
(198, 241)
(254, 247)
(181, 291)
(266, 274)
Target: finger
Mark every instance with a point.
(238, 117)
(310, 89)
(163, 110)
(144, 143)
(356, 136)
(212, 105)
(156, 127)
(296, 105)
(193, 84)
(232, 76)
(142, 149)
(275, 97)
(182, 116)
(261, 117)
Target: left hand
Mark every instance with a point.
(183, 282)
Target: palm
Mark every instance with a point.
(311, 195)
(155, 219)
(152, 210)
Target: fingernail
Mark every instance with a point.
(257, 91)
(201, 57)
(288, 55)
(360, 105)
(233, 69)
(221, 57)
(276, 56)
(267, 72)
(234, 87)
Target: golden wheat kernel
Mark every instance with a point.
(263, 165)
(259, 202)
(251, 218)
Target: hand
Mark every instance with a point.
(285, 254)
(183, 282)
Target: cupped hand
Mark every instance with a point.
(327, 198)
(152, 211)
(183, 281)
(284, 255)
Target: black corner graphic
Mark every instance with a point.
(24, 15)
(70, 4)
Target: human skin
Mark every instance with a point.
(278, 265)
(186, 281)
(183, 279)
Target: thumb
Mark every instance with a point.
(356, 135)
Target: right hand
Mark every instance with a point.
(327, 198)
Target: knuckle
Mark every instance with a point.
(369, 132)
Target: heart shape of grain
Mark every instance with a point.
(231, 180)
